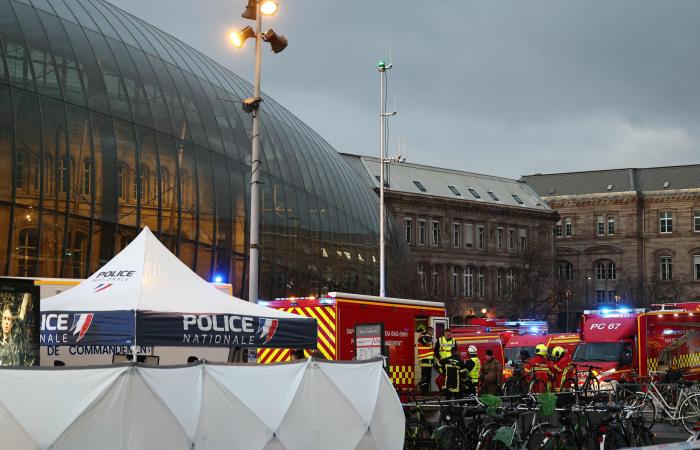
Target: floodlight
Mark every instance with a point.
(277, 41)
(239, 37)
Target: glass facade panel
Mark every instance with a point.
(115, 125)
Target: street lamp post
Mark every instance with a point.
(383, 160)
(254, 11)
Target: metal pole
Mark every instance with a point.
(254, 269)
(382, 119)
(567, 312)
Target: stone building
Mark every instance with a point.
(626, 236)
(474, 238)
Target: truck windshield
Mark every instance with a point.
(513, 353)
(598, 352)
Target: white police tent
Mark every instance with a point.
(298, 405)
(146, 296)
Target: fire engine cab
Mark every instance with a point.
(622, 342)
(353, 326)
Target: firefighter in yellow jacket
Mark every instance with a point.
(425, 359)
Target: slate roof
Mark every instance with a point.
(615, 180)
(448, 183)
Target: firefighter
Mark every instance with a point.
(470, 373)
(541, 370)
(453, 366)
(425, 359)
(444, 345)
(563, 367)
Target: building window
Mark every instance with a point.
(666, 222)
(436, 233)
(143, 179)
(499, 283)
(469, 235)
(696, 267)
(421, 277)
(474, 193)
(605, 271)
(420, 186)
(665, 268)
(481, 284)
(435, 280)
(499, 238)
(493, 196)
(19, 170)
(121, 180)
(455, 281)
(517, 199)
(408, 227)
(481, 237)
(456, 235)
(511, 240)
(165, 186)
(421, 232)
(600, 271)
(37, 174)
(566, 271)
(510, 280)
(611, 225)
(455, 191)
(26, 249)
(63, 175)
(600, 296)
(558, 229)
(469, 282)
(523, 240)
(568, 227)
(696, 221)
(87, 177)
(611, 271)
(600, 225)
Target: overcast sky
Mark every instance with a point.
(499, 87)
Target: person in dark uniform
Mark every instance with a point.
(469, 368)
(425, 359)
(453, 367)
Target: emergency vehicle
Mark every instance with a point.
(622, 343)
(464, 336)
(340, 315)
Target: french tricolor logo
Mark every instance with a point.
(81, 323)
(267, 329)
(102, 286)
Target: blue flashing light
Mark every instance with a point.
(605, 311)
(623, 310)
(218, 279)
(533, 329)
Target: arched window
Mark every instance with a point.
(469, 282)
(481, 285)
(455, 281)
(510, 279)
(65, 166)
(566, 271)
(499, 283)
(143, 178)
(665, 267)
(421, 277)
(605, 270)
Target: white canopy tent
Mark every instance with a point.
(301, 405)
(145, 295)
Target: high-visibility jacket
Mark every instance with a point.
(475, 373)
(563, 369)
(444, 347)
(541, 369)
(425, 350)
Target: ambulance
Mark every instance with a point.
(619, 344)
(354, 327)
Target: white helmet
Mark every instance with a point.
(472, 350)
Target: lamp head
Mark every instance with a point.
(277, 41)
(239, 37)
(251, 10)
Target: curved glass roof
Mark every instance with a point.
(133, 127)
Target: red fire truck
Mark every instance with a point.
(619, 343)
(386, 325)
(517, 343)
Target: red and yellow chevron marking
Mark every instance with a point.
(326, 320)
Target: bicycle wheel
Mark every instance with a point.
(644, 406)
(614, 439)
(536, 437)
(591, 386)
(690, 412)
(416, 435)
(486, 441)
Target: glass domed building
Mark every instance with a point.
(108, 124)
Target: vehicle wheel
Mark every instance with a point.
(690, 412)
(614, 440)
(646, 407)
(537, 436)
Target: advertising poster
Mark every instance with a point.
(19, 339)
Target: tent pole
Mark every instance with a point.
(135, 351)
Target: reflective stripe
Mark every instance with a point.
(445, 348)
(425, 352)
